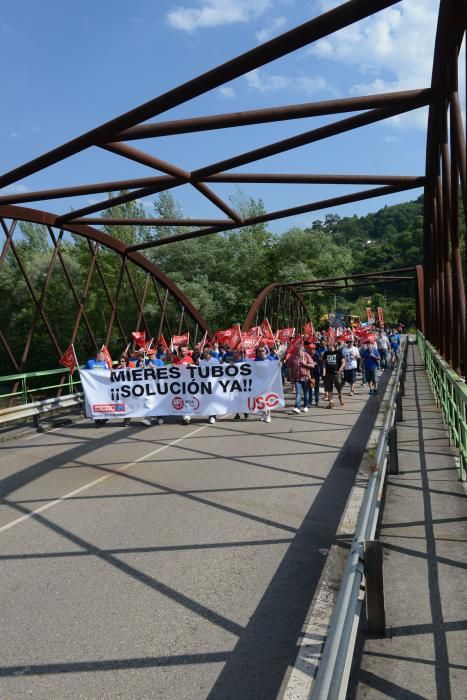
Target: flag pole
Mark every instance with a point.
(76, 359)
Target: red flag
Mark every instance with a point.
(331, 335)
(249, 346)
(254, 332)
(298, 340)
(108, 359)
(68, 359)
(203, 342)
(266, 331)
(369, 315)
(236, 337)
(380, 316)
(161, 341)
(140, 338)
(283, 335)
(178, 340)
(223, 337)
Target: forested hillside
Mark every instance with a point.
(221, 273)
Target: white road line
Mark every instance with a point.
(89, 485)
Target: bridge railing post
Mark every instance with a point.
(393, 456)
(374, 588)
(399, 414)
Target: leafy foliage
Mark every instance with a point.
(221, 273)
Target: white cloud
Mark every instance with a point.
(4, 27)
(269, 31)
(227, 91)
(214, 13)
(393, 50)
(391, 139)
(15, 189)
(14, 135)
(264, 82)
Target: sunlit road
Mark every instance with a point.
(172, 561)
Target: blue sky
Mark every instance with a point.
(69, 66)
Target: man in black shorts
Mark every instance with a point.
(333, 364)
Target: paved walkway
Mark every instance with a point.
(424, 531)
(173, 561)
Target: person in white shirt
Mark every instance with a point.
(208, 359)
(351, 356)
(384, 348)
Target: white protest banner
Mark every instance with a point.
(246, 387)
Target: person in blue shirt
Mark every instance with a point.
(371, 359)
(262, 355)
(153, 360)
(394, 342)
(98, 362)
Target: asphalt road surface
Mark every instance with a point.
(169, 561)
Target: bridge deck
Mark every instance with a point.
(173, 561)
(424, 530)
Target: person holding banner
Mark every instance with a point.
(98, 362)
(207, 359)
(262, 355)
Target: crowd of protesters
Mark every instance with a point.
(316, 367)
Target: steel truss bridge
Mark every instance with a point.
(158, 305)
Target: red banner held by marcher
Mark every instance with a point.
(68, 359)
(161, 341)
(296, 342)
(283, 335)
(108, 359)
(249, 346)
(308, 331)
(380, 316)
(179, 340)
(254, 332)
(140, 338)
(331, 335)
(369, 315)
(266, 331)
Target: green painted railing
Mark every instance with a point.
(20, 389)
(451, 396)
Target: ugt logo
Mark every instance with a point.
(263, 402)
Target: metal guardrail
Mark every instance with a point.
(20, 401)
(450, 393)
(333, 672)
(39, 408)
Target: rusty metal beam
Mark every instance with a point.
(317, 179)
(79, 190)
(134, 221)
(306, 208)
(306, 138)
(274, 114)
(300, 36)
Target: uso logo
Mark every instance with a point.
(178, 403)
(263, 402)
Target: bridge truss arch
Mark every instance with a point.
(442, 308)
(54, 302)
